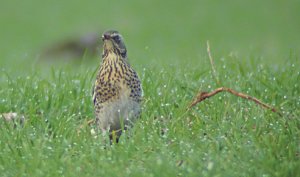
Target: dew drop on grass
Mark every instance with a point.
(61, 170)
(210, 165)
(159, 161)
(293, 65)
(76, 81)
(3, 100)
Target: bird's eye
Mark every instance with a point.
(116, 38)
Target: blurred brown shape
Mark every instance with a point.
(74, 48)
(13, 117)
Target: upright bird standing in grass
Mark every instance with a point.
(117, 92)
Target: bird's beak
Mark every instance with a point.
(105, 37)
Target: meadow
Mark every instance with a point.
(255, 46)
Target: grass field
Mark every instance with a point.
(255, 45)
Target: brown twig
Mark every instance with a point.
(91, 121)
(214, 72)
(204, 95)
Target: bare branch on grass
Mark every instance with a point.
(204, 95)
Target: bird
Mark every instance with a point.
(117, 91)
(73, 48)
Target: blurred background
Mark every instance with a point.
(157, 33)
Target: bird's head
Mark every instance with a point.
(113, 42)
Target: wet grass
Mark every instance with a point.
(222, 136)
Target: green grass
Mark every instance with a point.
(256, 50)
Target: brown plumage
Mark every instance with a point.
(117, 91)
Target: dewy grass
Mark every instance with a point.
(224, 135)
